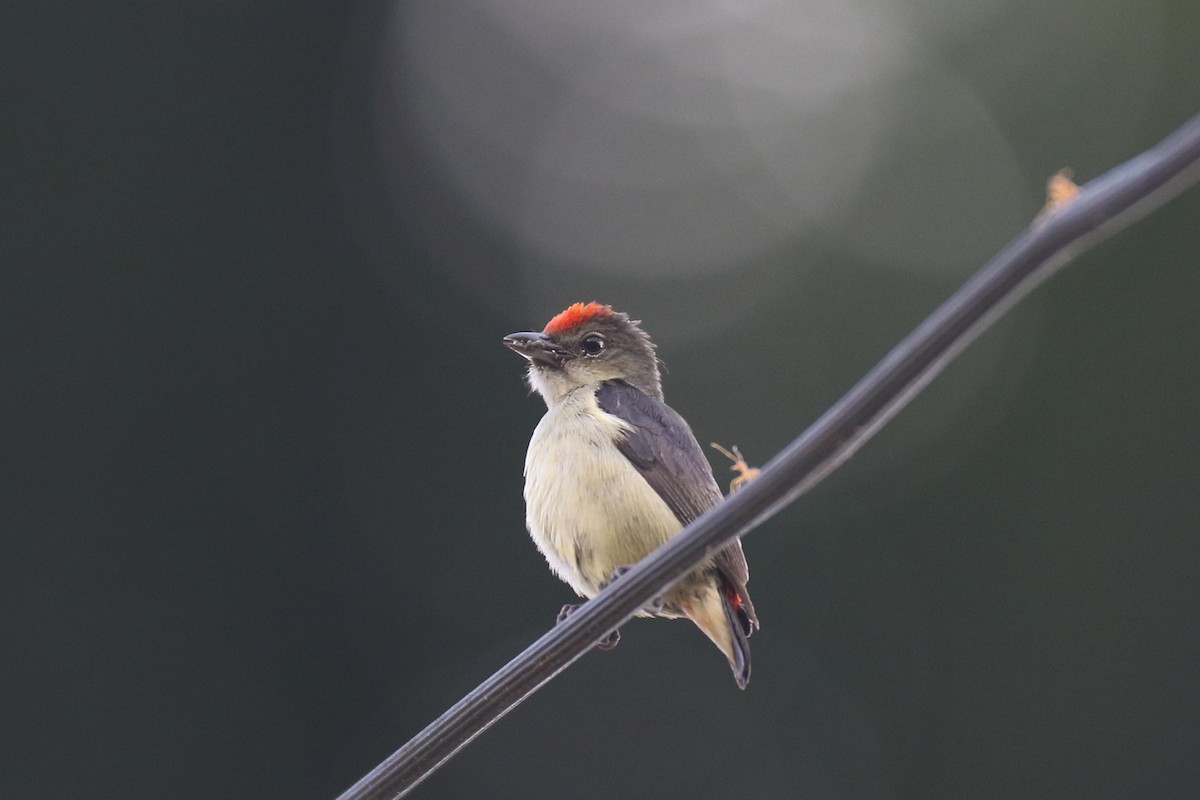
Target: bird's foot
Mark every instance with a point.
(607, 643)
(654, 607)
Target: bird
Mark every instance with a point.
(612, 472)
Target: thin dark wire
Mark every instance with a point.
(1103, 207)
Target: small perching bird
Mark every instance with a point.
(613, 472)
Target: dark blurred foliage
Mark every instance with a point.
(262, 447)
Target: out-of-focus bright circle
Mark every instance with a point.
(648, 139)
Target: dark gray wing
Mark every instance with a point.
(664, 450)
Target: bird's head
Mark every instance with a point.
(586, 344)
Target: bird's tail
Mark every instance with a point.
(716, 612)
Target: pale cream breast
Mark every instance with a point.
(588, 509)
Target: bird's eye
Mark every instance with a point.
(592, 344)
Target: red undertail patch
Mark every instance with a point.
(735, 600)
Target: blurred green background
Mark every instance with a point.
(263, 448)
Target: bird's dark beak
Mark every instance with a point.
(537, 347)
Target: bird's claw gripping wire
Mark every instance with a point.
(607, 643)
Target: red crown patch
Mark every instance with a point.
(575, 315)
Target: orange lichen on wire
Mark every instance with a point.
(1060, 190)
(745, 471)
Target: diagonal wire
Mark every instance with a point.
(1104, 206)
